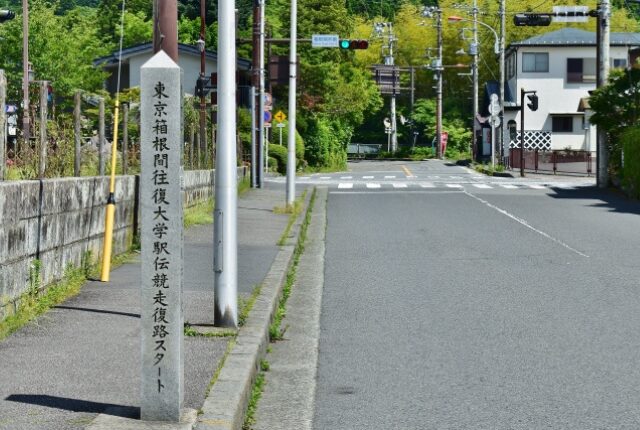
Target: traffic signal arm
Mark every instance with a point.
(6, 15)
(532, 19)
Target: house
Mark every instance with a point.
(189, 56)
(561, 67)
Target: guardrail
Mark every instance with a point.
(362, 150)
(557, 161)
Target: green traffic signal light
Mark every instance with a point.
(353, 44)
(344, 44)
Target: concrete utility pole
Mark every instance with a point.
(291, 148)
(125, 137)
(254, 169)
(44, 85)
(604, 33)
(503, 151)
(165, 28)
(226, 208)
(26, 130)
(77, 104)
(390, 61)
(474, 52)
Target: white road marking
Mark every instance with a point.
(526, 224)
(347, 185)
(372, 185)
(325, 177)
(427, 185)
(508, 186)
(537, 187)
(346, 177)
(399, 185)
(484, 186)
(367, 177)
(455, 177)
(454, 185)
(389, 177)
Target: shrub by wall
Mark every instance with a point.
(630, 141)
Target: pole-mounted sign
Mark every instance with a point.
(325, 40)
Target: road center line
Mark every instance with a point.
(526, 224)
(407, 172)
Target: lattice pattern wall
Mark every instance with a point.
(533, 139)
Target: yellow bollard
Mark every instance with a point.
(111, 203)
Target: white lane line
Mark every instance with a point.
(367, 177)
(372, 185)
(434, 177)
(427, 185)
(390, 177)
(346, 185)
(303, 178)
(483, 186)
(455, 177)
(454, 186)
(537, 187)
(324, 177)
(508, 186)
(399, 192)
(526, 224)
(399, 185)
(346, 177)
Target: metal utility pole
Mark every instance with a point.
(226, 207)
(26, 130)
(101, 137)
(604, 34)
(522, 94)
(125, 137)
(438, 71)
(77, 103)
(503, 151)
(261, 131)
(165, 27)
(390, 61)
(474, 52)
(255, 82)
(291, 147)
(203, 104)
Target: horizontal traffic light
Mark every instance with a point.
(354, 44)
(532, 19)
(6, 15)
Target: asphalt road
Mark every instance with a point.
(487, 304)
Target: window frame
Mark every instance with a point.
(560, 127)
(535, 62)
(579, 77)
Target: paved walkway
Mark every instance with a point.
(83, 357)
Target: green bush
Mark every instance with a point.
(273, 164)
(326, 143)
(630, 141)
(279, 154)
(421, 152)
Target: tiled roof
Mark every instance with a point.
(575, 37)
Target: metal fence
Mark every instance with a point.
(556, 161)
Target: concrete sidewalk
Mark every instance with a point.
(83, 357)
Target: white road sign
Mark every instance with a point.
(570, 14)
(325, 40)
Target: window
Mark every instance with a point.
(511, 66)
(535, 62)
(513, 132)
(581, 70)
(618, 63)
(562, 124)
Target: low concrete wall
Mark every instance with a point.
(58, 221)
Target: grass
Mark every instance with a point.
(216, 375)
(256, 393)
(202, 213)
(293, 211)
(36, 301)
(276, 331)
(192, 332)
(246, 305)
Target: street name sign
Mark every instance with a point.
(325, 40)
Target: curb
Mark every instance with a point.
(226, 405)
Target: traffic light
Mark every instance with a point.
(532, 19)
(6, 15)
(354, 44)
(533, 98)
(201, 87)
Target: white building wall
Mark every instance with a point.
(556, 95)
(190, 65)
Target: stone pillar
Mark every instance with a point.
(161, 238)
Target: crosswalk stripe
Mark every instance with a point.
(367, 177)
(347, 185)
(325, 177)
(454, 185)
(508, 186)
(389, 177)
(346, 177)
(537, 187)
(372, 185)
(399, 185)
(485, 186)
(427, 185)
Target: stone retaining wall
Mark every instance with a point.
(59, 221)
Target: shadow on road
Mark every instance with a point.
(612, 200)
(99, 311)
(76, 405)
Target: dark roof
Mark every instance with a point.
(575, 37)
(112, 58)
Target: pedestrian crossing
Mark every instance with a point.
(444, 186)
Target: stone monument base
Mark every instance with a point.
(188, 419)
